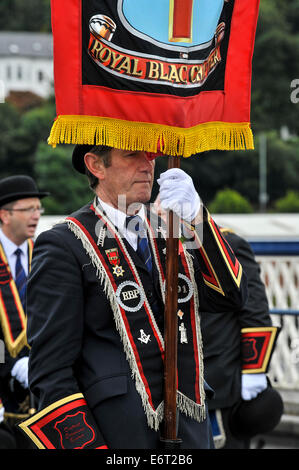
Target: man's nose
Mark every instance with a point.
(36, 214)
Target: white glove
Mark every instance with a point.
(20, 371)
(252, 385)
(1, 412)
(177, 193)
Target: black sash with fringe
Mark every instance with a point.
(140, 335)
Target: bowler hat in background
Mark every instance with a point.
(260, 415)
(17, 187)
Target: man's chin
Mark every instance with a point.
(31, 233)
(144, 199)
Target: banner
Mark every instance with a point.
(167, 75)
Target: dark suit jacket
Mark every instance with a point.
(11, 392)
(75, 346)
(222, 333)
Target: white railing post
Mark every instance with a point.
(281, 277)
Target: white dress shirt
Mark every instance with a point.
(10, 248)
(118, 218)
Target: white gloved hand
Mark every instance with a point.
(1, 412)
(177, 193)
(252, 385)
(20, 371)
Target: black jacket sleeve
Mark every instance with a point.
(255, 312)
(55, 311)
(220, 277)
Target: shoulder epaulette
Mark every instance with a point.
(226, 230)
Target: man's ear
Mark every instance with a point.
(3, 216)
(94, 164)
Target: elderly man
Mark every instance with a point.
(96, 302)
(20, 210)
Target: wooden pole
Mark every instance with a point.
(169, 436)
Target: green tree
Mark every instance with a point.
(228, 201)
(54, 172)
(215, 170)
(9, 121)
(275, 66)
(29, 15)
(288, 203)
(20, 134)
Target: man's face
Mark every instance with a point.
(19, 224)
(130, 174)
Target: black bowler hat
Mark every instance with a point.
(18, 187)
(78, 155)
(257, 416)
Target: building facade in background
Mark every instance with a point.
(26, 63)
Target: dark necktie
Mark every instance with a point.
(135, 224)
(21, 278)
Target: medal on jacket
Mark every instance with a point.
(114, 259)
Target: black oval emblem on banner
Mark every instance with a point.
(130, 296)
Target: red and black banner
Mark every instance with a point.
(139, 74)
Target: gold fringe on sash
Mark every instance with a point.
(130, 135)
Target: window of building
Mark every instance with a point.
(14, 48)
(8, 72)
(19, 72)
(40, 75)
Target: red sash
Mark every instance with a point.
(12, 316)
(135, 321)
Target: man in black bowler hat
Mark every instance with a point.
(20, 211)
(96, 310)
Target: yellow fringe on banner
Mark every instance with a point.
(129, 135)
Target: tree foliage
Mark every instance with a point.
(275, 65)
(288, 203)
(54, 172)
(229, 201)
(21, 134)
(21, 15)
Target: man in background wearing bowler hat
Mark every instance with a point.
(20, 211)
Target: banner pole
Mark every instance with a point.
(169, 437)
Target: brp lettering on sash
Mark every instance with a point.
(130, 296)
